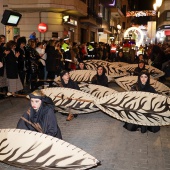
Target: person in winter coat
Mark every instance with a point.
(11, 60)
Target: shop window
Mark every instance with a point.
(92, 36)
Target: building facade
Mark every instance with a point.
(163, 22)
(80, 20)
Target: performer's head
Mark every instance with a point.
(141, 64)
(64, 76)
(82, 65)
(144, 77)
(100, 70)
(36, 99)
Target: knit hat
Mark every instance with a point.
(62, 73)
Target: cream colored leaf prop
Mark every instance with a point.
(65, 98)
(154, 72)
(112, 68)
(102, 62)
(96, 90)
(33, 150)
(137, 107)
(83, 76)
(115, 71)
(128, 81)
(119, 64)
(80, 75)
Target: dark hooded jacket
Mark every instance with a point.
(138, 86)
(138, 69)
(45, 117)
(100, 79)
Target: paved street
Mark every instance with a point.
(103, 137)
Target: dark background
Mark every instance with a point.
(138, 5)
(146, 4)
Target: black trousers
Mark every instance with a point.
(51, 75)
(22, 77)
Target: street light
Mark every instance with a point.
(157, 4)
(156, 7)
(119, 28)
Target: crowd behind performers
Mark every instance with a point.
(23, 61)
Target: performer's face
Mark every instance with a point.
(141, 65)
(120, 54)
(66, 77)
(35, 103)
(81, 65)
(143, 79)
(100, 71)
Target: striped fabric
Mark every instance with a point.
(3, 80)
(14, 85)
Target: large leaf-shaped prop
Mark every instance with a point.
(96, 90)
(83, 76)
(33, 150)
(93, 64)
(128, 81)
(76, 100)
(154, 72)
(137, 107)
(110, 67)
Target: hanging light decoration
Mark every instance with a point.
(158, 3)
(155, 6)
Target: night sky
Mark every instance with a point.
(146, 4)
(138, 5)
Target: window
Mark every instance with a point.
(168, 16)
(106, 14)
(92, 36)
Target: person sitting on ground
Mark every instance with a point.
(81, 66)
(141, 66)
(67, 82)
(143, 84)
(100, 78)
(40, 116)
(120, 57)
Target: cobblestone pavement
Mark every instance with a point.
(103, 137)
